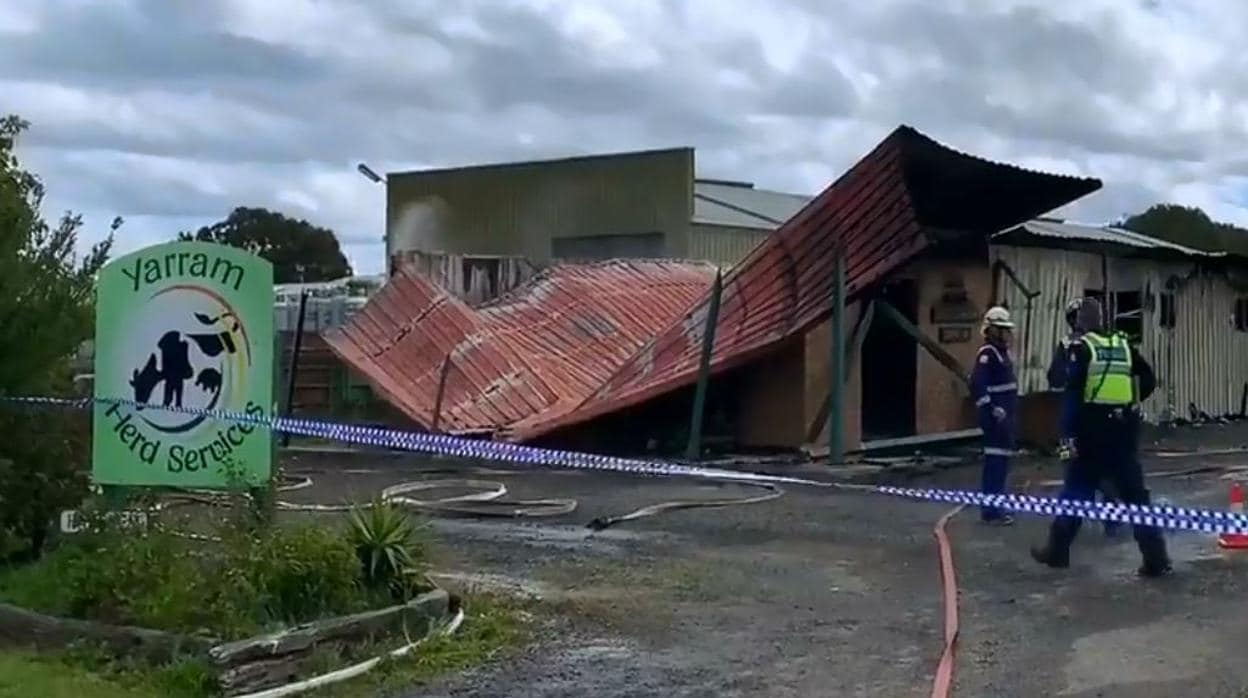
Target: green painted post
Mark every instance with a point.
(836, 365)
(694, 449)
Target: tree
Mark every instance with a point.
(1190, 226)
(298, 250)
(46, 311)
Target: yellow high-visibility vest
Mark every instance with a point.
(1109, 370)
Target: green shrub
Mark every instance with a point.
(153, 580)
(389, 546)
(46, 310)
(299, 573)
(41, 473)
(159, 580)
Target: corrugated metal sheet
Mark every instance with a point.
(1201, 361)
(723, 245)
(1106, 234)
(540, 349)
(740, 205)
(879, 211)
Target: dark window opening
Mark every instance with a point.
(1165, 317)
(1241, 314)
(890, 368)
(1128, 315)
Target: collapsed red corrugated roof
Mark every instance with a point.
(541, 349)
(906, 193)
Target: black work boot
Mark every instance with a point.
(1154, 570)
(1153, 550)
(1045, 556)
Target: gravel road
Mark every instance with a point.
(831, 594)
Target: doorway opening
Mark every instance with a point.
(890, 368)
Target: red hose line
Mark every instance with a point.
(949, 581)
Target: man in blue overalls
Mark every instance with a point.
(995, 392)
(1103, 429)
(1059, 367)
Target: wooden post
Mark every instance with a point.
(694, 449)
(293, 372)
(836, 365)
(437, 400)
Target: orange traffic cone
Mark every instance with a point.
(1235, 541)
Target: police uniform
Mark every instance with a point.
(1101, 416)
(1059, 369)
(994, 389)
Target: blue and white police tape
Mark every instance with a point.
(1169, 517)
(436, 444)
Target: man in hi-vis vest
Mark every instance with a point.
(1058, 369)
(1101, 428)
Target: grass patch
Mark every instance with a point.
(71, 676)
(22, 676)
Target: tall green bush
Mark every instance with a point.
(46, 309)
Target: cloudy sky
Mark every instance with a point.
(172, 113)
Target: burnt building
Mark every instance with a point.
(561, 359)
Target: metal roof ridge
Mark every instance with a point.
(1136, 235)
(537, 161)
(736, 207)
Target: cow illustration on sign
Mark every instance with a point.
(175, 364)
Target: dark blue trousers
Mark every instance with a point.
(996, 469)
(1107, 451)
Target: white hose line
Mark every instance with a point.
(354, 670)
(472, 503)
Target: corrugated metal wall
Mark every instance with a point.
(1208, 358)
(515, 209)
(1203, 360)
(1058, 275)
(723, 245)
(473, 279)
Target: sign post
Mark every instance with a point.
(183, 325)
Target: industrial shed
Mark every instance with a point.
(1186, 309)
(640, 204)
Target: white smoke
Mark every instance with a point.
(421, 225)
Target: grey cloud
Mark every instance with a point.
(1113, 202)
(157, 43)
(433, 91)
(1029, 74)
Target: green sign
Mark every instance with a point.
(187, 324)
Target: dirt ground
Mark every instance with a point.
(832, 594)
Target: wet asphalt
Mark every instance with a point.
(829, 593)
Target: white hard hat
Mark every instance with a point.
(998, 317)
